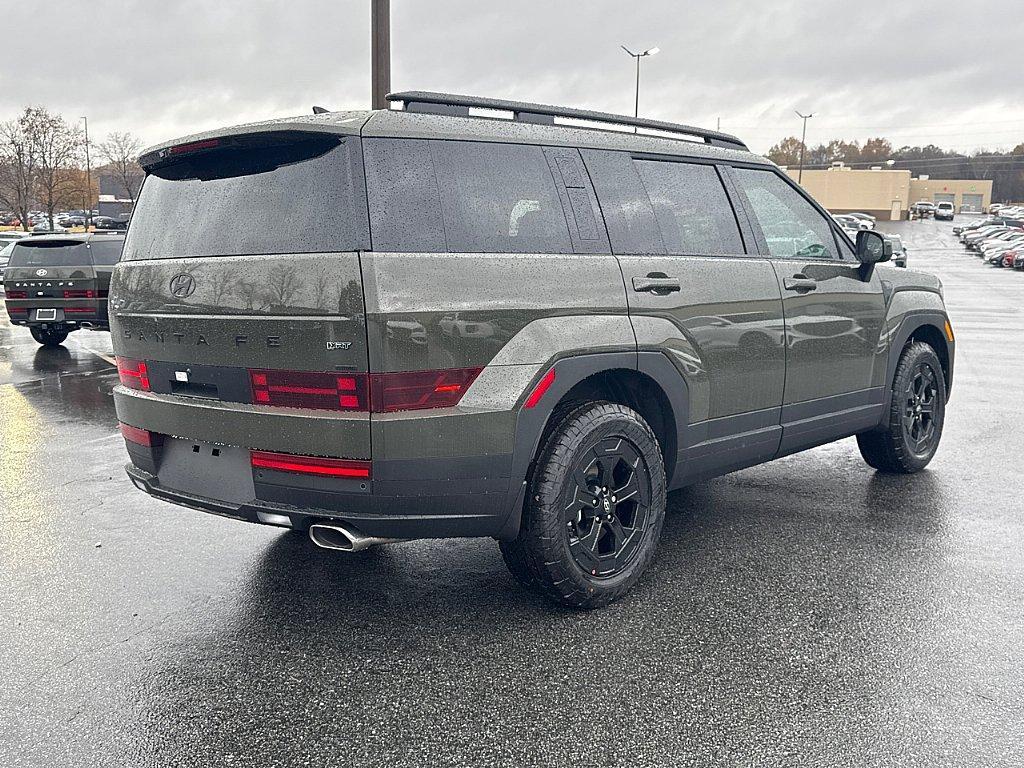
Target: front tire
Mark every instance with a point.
(49, 337)
(594, 510)
(908, 440)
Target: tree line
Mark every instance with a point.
(1004, 169)
(42, 165)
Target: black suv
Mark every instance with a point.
(398, 324)
(56, 284)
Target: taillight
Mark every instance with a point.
(140, 436)
(79, 310)
(17, 294)
(311, 465)
(413, 390)
(378, 392)
(133, 373)
(80, 294)
(308, 389)
(16, 311)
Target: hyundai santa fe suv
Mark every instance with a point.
(421, 322)
(56, 284)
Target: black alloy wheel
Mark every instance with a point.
(920, 402)
(607, 507)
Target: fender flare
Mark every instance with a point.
(570, 371)
(912, 322)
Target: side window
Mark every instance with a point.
(405, 209)
(627, 210)
(499, 198)
(691, 207)
(792, 226)
(105, 253)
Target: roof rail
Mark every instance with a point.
(525, 112)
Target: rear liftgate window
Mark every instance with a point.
(51, 253)
(249, 195)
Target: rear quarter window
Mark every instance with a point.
(499, 198)
(304, 196)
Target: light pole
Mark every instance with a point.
(803, 146)
(88, 177)
(638, 56)
(380, 53)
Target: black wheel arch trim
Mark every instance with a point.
(570, 371)
(912, 322)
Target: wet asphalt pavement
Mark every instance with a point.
(805, 612)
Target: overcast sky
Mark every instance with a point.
(916, 72)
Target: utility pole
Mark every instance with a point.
(803, 146)
(88, 178)
(380, 53)
(638, 56)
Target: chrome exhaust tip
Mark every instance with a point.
(344, 538)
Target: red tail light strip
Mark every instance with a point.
(307, 389)
(17, 294)
(133, 373)
(378, 392)
(80, 294)
(311, 465)
(140, 436)
(415, 390)
(80, 310)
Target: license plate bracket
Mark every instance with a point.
(46, 314)
(221, 472)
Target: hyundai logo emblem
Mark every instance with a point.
(182, 285)
(41, 272)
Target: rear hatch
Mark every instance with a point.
(240, 283)
(53, 280)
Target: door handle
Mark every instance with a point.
(656, 284)
(800, 283)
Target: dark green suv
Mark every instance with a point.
(526, 324)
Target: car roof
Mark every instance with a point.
(395, 123)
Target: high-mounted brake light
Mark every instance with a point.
(309, 389)
(133, 373)
(140, 436)
(414, 390)
(311, 465)
(194, 146)
(538, 391)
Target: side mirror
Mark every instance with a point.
(872, 248)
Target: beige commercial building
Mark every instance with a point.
(887, 193)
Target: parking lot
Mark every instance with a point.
(804, 612)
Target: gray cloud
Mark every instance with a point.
(916, 73)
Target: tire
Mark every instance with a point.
(908, 440)
(48, 337)
(575, 544)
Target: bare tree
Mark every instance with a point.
(18, 167)
(57, 146)
(121, 150)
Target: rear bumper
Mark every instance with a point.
(428, 523)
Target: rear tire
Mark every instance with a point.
(913, 428)
(594, 510)
(49, 337)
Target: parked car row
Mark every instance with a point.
(1003, 209)
(996, 240)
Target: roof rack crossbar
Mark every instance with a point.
(525, 112)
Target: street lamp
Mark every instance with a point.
(638, 56)
(88, 178)
(803, 146)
